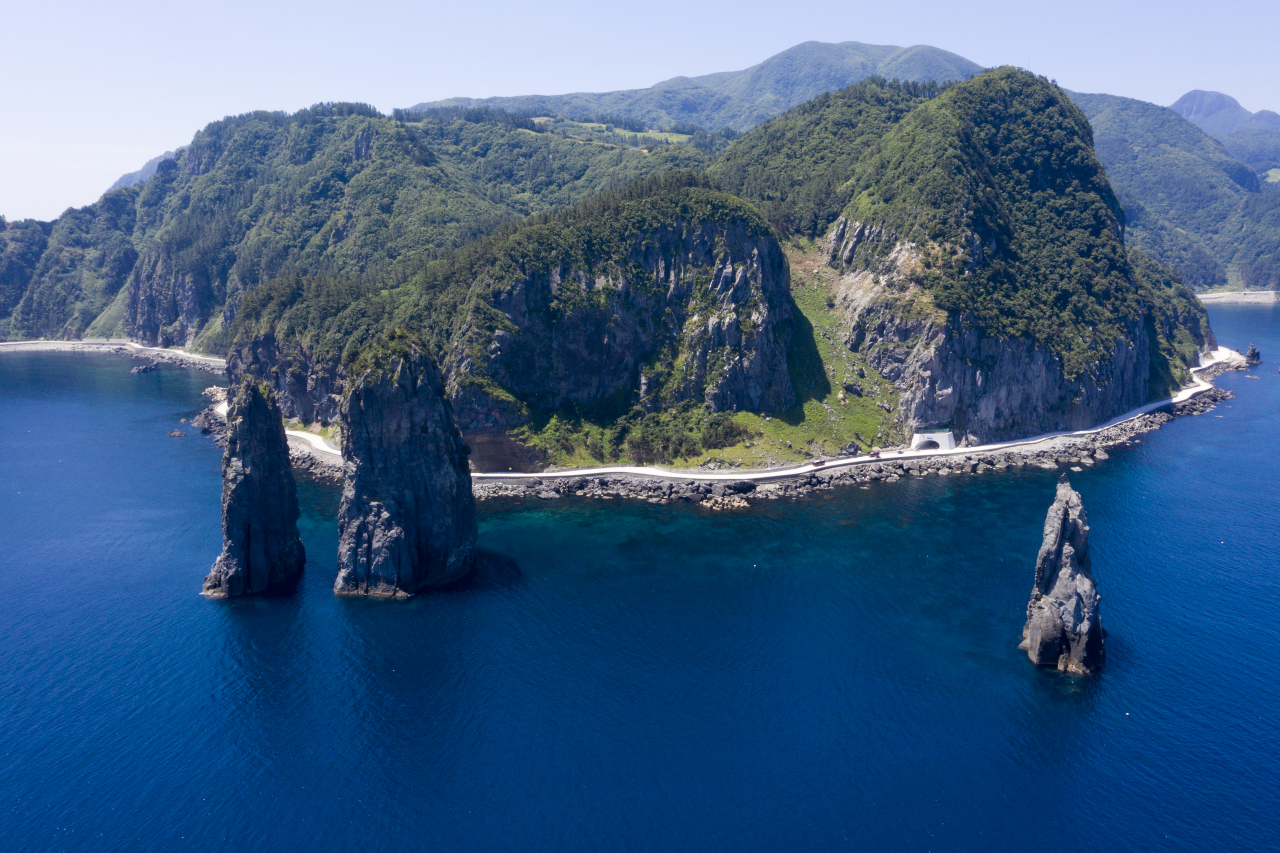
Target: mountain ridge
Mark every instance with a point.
(741, 100)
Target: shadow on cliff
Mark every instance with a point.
(804, 364)
(492, 571)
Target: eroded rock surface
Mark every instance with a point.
(261, 546)
(1064, 628)
(408, 518)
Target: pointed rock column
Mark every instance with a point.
(408, 517)
(1064, 628)
(261, 546)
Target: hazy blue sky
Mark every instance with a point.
(93, 90)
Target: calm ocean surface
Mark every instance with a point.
(832, 674)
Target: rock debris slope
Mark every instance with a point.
(408, 518)
(1064, 628)
(261, 546)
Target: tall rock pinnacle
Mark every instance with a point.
(261, 546)
(1064, 628)
(408, 518)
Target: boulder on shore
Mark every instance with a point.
(1064, 628)
(408, 518)
(261, 546)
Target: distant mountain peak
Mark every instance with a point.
(1222, 115)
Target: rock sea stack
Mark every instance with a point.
(1064, 628)
(1252, 357)
(408, 518)
(261, 546)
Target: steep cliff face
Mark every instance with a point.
(407, 518)
(261, 546)
(679, 298)
(1064, 628)
(983, 387)
(307, 387)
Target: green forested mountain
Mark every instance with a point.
(1188, 201)
(337, 188)
(599, 291)
(992, 182)
(1258, 149)
(622, 327)
(796, 168)
(1251, 138)
(743, 99)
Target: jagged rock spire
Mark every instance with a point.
(1064, 628)
(261, 546)
(408, 518)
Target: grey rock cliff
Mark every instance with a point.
(1064, 628)
(696, 311)
(984, 388)
(408, 517)
(261, 546)
(307, 388)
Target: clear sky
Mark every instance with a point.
(93, 90)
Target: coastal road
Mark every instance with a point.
(87, 344)
(330, 453)
(1240, 297)
(1197, 386)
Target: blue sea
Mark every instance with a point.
(836, 673)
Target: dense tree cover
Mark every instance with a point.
(334, 314)
(796, 168)
(471, 115)
(742, 100)
(84, 263)
(335, 189)
(527, 173)
(1258, 149)
(1188, 201)
(1015, 227)
(634, 125)
(21, 245)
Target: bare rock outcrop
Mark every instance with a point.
(1064, 628)
(261, 546)
(1252, 357)
(407, 518)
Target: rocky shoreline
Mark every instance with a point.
(152, 356)
(1075, 453)
(1069, 452)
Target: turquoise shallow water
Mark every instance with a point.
(835, 673)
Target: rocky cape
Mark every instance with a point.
(261, 546)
